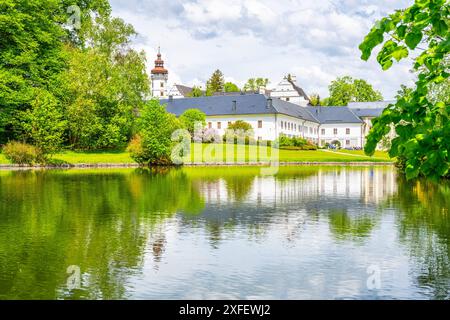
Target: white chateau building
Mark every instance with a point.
(285, 111)
(289, 91)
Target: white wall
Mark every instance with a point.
(274, 125)
(175, 93)
(267, 132)
(159, 86)
(285, 91)
(294, 127)
(353, 139)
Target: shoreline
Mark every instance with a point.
(199, 164)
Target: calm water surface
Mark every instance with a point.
(210, 233)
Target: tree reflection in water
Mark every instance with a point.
(108, 222)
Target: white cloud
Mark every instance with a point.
(317, 40)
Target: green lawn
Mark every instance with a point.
(378, 154)
(94, 157)
(263, 154)
(211, 153)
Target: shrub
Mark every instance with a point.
(155, 127)
(294, 143)
(210, 136)
(136, 149)
(239, 139)
(22, 153)
(190, 117)
(336, 144)
(240, 125)
(238, 132)
(309, 147)
(284, 141)
(291, 148)
(44, 124)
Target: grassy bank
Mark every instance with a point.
(210, 153)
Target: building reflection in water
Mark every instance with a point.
(368, 185)
(346, 196)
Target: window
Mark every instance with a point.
(310, 130)
(219, 125)
(259, 138)
(259, 123)
(162, 84)
(162, 93)
(229, 123)
(281, 124)
(287, 99)
(209, 125)
(295, 127)
(323, 132)
(335, 131)
(347, 131)
(347, 142)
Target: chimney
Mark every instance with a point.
(269, 103)
(170, 98)
(234, 106)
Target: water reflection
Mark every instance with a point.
(308, 232)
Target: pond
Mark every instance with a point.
(223, 233)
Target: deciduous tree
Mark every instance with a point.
(346, 89)
(421, 123)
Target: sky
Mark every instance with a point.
(316, 40)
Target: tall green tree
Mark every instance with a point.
(196, 92)
(421, 124)
(32, 38)
(155, 129)
(104, 87)
(30, 56)
(346, 89)
(215, 83)
(231, 87)
(253, 84)
(315, 99)
(44, 124)
(191, 117)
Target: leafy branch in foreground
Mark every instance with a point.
(421, 124)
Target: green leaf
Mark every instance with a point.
(440, 27)
(401, 31)
(422, 3)
(412, 171)
(413, 39)
(400, 53)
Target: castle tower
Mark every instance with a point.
(159, 77)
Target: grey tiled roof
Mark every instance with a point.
(184, 90)
(334, 115)
(245, 104)
(369, 112)
(294, 110)
(299, 90)
(370, 105)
